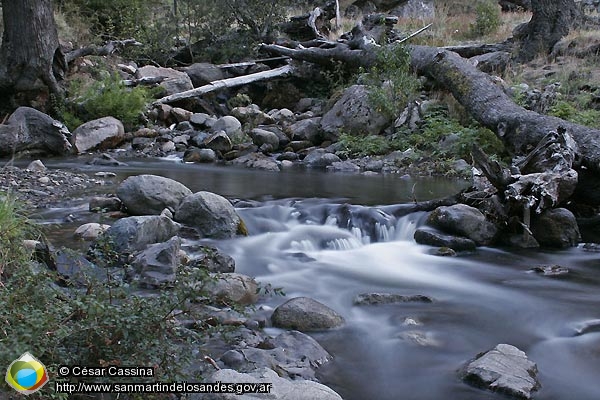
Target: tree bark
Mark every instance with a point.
(30, 55)
(551, 21)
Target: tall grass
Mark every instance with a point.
(14, 228)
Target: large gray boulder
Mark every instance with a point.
(151, 194)
(174, 82)
(305, 314)
(354, 114)
(99, 134)
(232, 287)
(212, 215)
(268, 380)
(464, 220)
(158, 263)
(263, 137)
(556, 228)
(307, 130)
(135, 233)
(504, 369)
(230, 125)
(30, 130)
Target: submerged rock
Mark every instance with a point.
(389, 298)
(305, 314)
(150, 194)
(504, 369)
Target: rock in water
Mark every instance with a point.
(212, 215)
(305, 314)
(504, 369)
(150, 194)
(99, 134)
(464, 220)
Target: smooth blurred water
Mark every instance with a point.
(334, 236)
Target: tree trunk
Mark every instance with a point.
(30, 56)
(551, 21)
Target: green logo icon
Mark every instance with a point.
(26, 374)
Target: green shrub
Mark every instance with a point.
(14, 228)
(107, 97)
(487, 19)
(568, 112)
(360, 146)
(390, 82)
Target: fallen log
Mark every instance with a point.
(105, 50)
(227, 83)
(519, 129)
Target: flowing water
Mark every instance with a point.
(333, 236)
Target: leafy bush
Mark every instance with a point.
(487, 19)
(391, 84)
(107, 97)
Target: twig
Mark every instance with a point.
(412, 35)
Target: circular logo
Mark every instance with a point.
(26, 374)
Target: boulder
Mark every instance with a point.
(555, 228)
(257, 161)
(158, 263)
(36, 166)
(200, 155)
(320, 158)
(150, 194)
(203, 73)
(200, 119)
(99, 134)
(28, 129)
(230, 125)
(262, 136)
(232, 287)
(307, 130)
(251, 114)
(343, 166)
(504, 369)
(174, 82)
(353, 114)
(90, 231)
(135, 233)
(218, 141)
(270, 382)
(212, 215)
(180, 115)
(433, 238)
(305, 314)
(464, 220)
(74, 267)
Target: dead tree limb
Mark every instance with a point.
(227, 83)
(106, 50)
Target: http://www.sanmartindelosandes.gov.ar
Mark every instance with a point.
(26, 374)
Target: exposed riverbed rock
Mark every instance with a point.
(281, 389)
(230, 125)
(320, 158)
(232, 287)
(99, 134)
(257, 161)
(135, 233)
(90, 231)
(504, 369)
(556, 228)
(212, 215)
(150, 194)
(305, 314)
(29, 130)
(464, 220)
(433, 238)
(157, 264)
